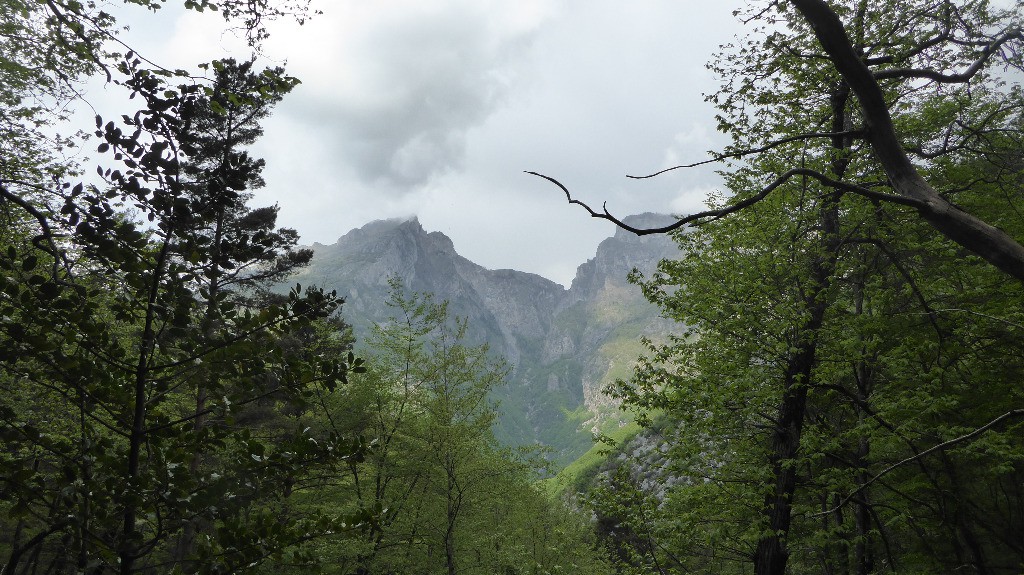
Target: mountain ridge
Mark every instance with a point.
(563, 343)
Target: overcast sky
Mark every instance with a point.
(435, 108)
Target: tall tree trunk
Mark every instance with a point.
(129, 539)
(186, 541)
(863, 555)
(772, 553)
(454, 502)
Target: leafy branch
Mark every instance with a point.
(940, 447)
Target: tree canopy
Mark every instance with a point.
(835, 401)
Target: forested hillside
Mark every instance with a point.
(834, 385)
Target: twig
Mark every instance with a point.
(751, 151)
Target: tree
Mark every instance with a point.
(805, 278)
(430, 408)
(246, 254)
(449, 499)
(898, 392)
(985, 240)
(124, 359)
(102, 323)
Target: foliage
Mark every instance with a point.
(833, 341)
(448, 499)
(163, 410)
(126, 365)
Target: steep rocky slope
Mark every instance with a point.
(564, 345)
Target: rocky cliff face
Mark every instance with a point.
(614, 313)
(620, 254)
(563, 345)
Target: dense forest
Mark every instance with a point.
(843, 394)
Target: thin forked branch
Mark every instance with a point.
(40, 218)
(752, 151)
(966, 75)
(715, 214)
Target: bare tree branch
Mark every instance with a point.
(747, 202)
(966, 75)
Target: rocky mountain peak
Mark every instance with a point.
(618, 255)
(379, 227)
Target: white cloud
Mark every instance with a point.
(435, 108)
(400, 82)
(690, 146)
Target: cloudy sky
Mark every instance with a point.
(435, 108)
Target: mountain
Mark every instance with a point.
(564, 345)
